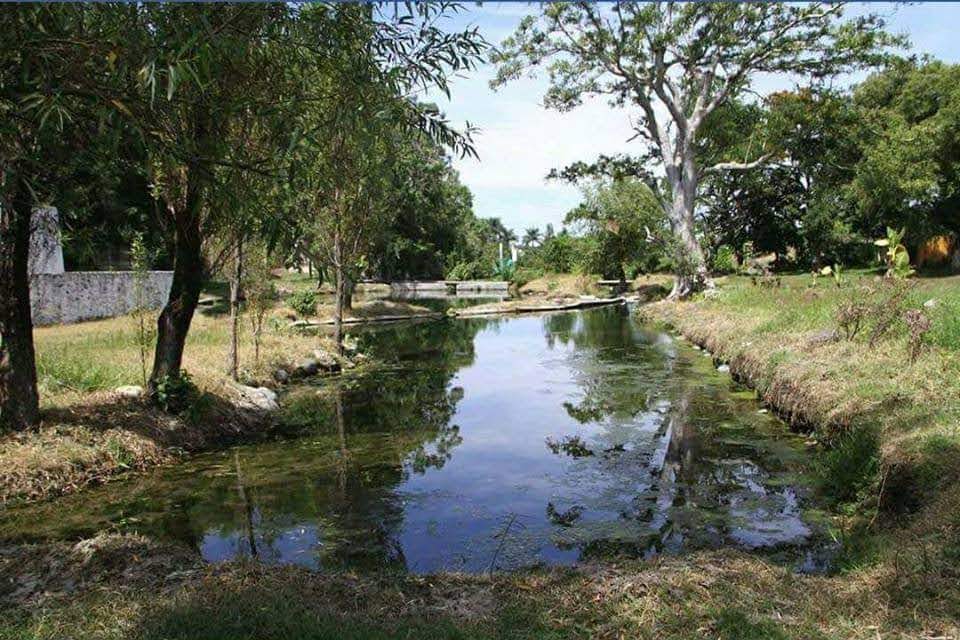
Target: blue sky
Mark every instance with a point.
(519, 141)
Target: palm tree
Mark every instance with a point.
(531, 237)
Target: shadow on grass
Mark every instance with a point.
(294, 604)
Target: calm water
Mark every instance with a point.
(485, 444)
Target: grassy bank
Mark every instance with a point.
(890, 418)
(116, 587)
(89, 433)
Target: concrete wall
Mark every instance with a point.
(75, 296)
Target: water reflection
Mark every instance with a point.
(488, 444)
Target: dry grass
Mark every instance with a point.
(376, 309)
(571, 285)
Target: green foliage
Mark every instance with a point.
(504, 270)
(474, 270)
(304, 302)
(849, 468)
(524, 275)
(616, 216)
(174, 394)
(725, 259)
(559, 254)
(143, 317)
(896, 257)
(64, 368)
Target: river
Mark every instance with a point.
(485, 444)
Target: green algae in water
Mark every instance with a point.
(442, 459)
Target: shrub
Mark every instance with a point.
(303, 302)
(559, 253)
(472, 270)
(850, 317)
(524, 275)
(724, 260)
(175, 393)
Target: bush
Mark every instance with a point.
(559, 254)
(524, 275)
(303, 302)
(472, 270)
(174, 394)
(724, 260)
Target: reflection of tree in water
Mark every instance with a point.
(408, 412)
(654, 429)
(617, 365)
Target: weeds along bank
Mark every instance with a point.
(871, 368)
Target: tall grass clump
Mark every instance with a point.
(66, 369)
(945, 331)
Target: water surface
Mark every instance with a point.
(484, 443)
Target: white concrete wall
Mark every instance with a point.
(75, 296)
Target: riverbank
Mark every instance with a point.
(91, 432)
(130, 587)
(837, 362)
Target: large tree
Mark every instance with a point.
(909, 175)
(676, 63)
(52, 89)
(360, 114)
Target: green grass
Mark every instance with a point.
(66, 368)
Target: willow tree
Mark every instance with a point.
(672, 65)
(53, 63)
(196, 72)
(360, 114)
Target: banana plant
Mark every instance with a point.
(897, 257)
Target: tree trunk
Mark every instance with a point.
(235, 280)
(19, 400)
(348, 287)
(691, 268)
(338, 311)
(338, 291)
(174, 321)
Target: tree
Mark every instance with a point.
(51, 83)
(432, 210)
(531, 237)
(193, 71)
(677, 63)
(909, 175)
(353, 128)
(620, 214)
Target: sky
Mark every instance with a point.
(519, 141)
